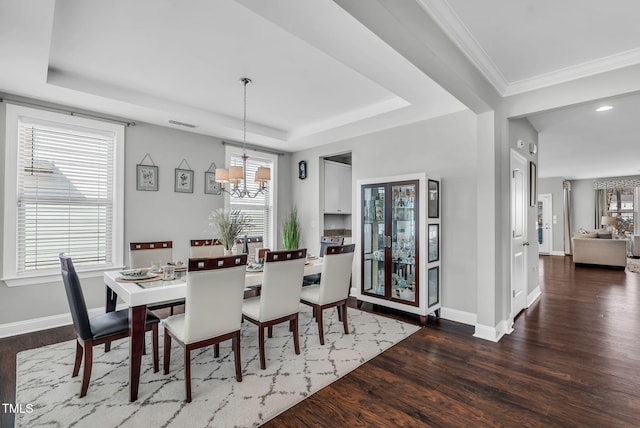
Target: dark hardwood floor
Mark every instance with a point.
(573, 360)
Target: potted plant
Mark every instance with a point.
(291, 231)
(229, 225)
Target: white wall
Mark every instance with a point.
(161, 215)
(445, 147)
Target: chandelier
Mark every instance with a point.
(236, 176)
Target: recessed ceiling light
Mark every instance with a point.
(604, 108)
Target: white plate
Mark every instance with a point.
(134, 278)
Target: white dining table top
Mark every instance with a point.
(134, 294)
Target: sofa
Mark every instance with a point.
(598, 248)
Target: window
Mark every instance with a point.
(260, 209)
(62, 194)
(621, 204)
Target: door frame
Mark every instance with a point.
(546, 199)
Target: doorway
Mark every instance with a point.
(544, 224)
(519, 243)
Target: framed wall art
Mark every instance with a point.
(211, 187)
(147, 175)
(183, 178)
(533, 184)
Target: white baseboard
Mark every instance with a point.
(493, 334)
(533, 296)
(44, 323)
(557, 253)
(462, 317)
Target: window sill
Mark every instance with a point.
(54, 277)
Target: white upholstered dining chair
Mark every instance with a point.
(206, 248)
(144, 254)
(213, 310)
(279, 299)
(333, 290)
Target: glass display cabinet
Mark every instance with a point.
(395, 253)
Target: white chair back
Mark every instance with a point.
(204, 248)
(336, 274)
(143, 254)
(282, 283)
(215, 290)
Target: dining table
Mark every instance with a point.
(138, 294)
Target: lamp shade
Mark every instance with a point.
(235, 174)
(608, 220)
(263, 175)
(222, 175)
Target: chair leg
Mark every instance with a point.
(79, 352)
(263, 362)
(167, 351)
(236, 352)
(216, 350)
(187, 372)
(88, 362)
(107, 347)
(270, 331)
(154, 338)
(344, 317)
(171, 310)
(320, 326)
(144, 345)
(296, 338)
(339, 313)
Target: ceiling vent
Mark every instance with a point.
(175, 122)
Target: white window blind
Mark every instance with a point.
(259, 209)
(65, 191)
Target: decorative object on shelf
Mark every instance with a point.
(211, 186)
(533, 184)
(184, 178)
(234, 175)
(229, 225)
(291, 231)
(147, 175)
(302, 170)
(434, 199)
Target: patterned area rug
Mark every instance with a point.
(633, 265)
(44, 377)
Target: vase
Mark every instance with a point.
(228, 252)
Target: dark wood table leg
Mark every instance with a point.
(137, 318)
(110, 306)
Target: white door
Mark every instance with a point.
(519, 244)
(544, 224)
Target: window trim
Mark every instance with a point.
(273, 189)
(10, 276)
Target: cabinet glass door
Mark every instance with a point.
(374, 239)
(403, 226)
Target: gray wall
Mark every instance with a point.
(553, 186)
(161, 215)
(583, 205)
(445, 147)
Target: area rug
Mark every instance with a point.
(633, 265)
(44, 377)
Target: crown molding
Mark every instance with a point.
(578, 71)
(454, 28)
